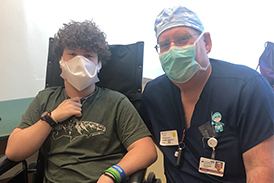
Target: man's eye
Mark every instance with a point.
(182, 40)
(164, 44)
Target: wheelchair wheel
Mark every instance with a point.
(158, 181)
(150, 177)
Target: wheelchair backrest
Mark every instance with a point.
(123, 72)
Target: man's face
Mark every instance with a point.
(172, 36)
(218, 166)
(70, 54)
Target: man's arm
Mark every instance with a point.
(259, 162)
(141, 154)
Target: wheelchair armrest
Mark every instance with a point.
(6, 164)
(137, 177)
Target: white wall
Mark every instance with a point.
(238, 29)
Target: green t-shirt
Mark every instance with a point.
(80, 149)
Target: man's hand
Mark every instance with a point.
(66, 109)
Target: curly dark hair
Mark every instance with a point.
(82, 35)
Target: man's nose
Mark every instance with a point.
(172, 43)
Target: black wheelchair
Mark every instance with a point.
(123, 73)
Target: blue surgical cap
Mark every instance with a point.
(176, 17)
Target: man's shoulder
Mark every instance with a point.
(225, 69)
(158, 82)
(159, 87)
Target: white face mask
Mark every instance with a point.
(80, 72)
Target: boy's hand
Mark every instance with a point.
(66, 109)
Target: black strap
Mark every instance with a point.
(114, 180)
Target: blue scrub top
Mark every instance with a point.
(239, 94)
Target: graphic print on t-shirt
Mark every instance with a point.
(74, 129)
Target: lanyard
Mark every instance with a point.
(181, 147)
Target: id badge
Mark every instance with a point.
(169, 138)
(212, 167)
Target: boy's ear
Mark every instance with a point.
(100, 66)
(59, 62)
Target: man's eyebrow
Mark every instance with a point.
(178, 36)
(183, 34)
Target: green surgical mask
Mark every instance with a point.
(179, 62)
